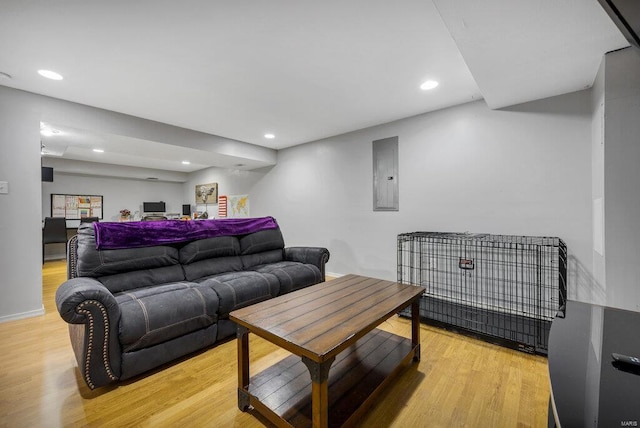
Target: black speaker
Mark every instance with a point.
(186, 210)
(47, 173)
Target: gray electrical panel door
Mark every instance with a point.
(385, 174)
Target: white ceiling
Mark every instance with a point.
(302, 70)
(523, 50)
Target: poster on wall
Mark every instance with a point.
(58, 204)
(75, 207)
(71, 207)
(96, 206)
(238, 206)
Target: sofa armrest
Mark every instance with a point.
(93, 316)
(317, 256)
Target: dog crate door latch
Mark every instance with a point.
(465, 264)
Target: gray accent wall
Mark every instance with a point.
(525, 170)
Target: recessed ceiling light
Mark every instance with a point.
(98, 150)
(429, 84)
(186, 163)
(50, 74)
(269, 136)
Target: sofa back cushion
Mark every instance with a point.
(96, 263)
(264, 240)
(201, 249)
(126, 269)
(266, 257)
(208, 257)
(211, 256)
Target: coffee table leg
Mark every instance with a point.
(319, 390)
(243, 367)
(415, 328)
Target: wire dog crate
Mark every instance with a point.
(502, 288)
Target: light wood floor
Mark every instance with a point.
(460, 382)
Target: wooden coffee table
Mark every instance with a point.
(340, 360)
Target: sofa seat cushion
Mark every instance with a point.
(292, 275)
(153, 315)
(236, 290)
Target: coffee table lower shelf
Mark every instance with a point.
(282, 393)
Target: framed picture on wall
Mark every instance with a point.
(207, 193)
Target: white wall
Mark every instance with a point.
(230, 182)
(524, 170)
(118, 193)
(597, 293)
(622, 178)
(20, 221)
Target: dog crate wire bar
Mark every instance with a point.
(505, 289)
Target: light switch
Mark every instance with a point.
(4, 187)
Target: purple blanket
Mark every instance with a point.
(135, 234)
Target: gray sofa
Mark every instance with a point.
(133, 309)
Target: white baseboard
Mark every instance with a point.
(22, 315)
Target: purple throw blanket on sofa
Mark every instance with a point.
(110, 236)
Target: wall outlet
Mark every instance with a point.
(4, 187)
